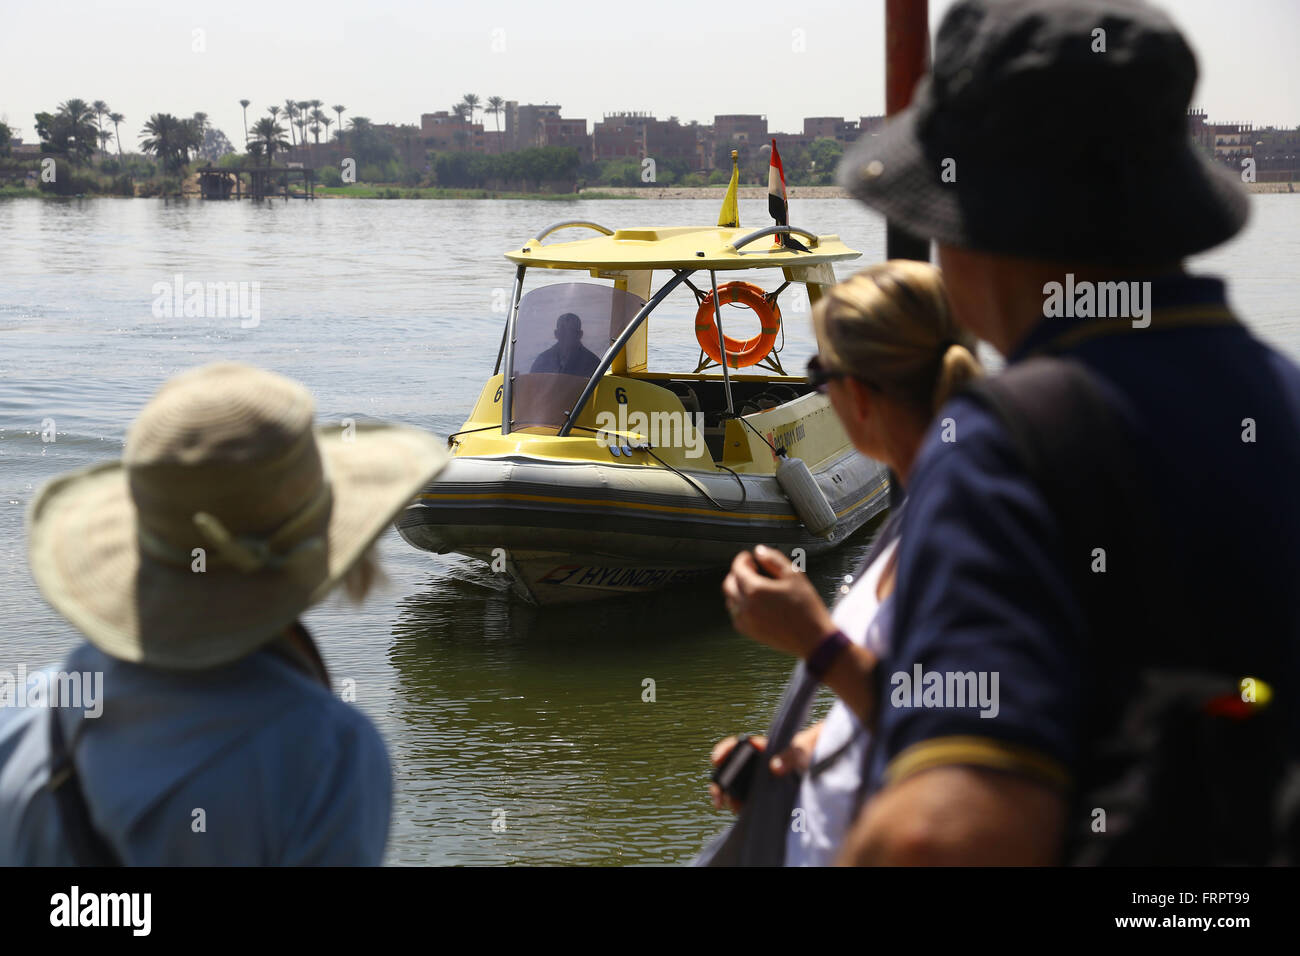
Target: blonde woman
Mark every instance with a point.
(890, 357)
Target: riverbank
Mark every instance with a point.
(716, 193)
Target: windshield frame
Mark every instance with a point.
(606, 360)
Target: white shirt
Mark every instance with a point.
(829, 800)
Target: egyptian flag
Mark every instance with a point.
(776, 201)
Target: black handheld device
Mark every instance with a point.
(735, 774)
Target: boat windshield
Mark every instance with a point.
(561, 333)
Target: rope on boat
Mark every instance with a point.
(744, 494)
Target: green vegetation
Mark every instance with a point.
(360, 159)
(361, 191)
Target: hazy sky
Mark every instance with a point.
(391, 60)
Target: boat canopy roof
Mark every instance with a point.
(678, 247)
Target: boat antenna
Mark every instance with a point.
(722, 342)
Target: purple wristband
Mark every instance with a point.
(824, 654)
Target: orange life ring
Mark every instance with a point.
(739, 353)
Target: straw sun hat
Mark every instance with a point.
(227, 516)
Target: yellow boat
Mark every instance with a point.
(580, 473)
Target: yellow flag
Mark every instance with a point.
(730, 214)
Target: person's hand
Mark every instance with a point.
(720, 751)
(798, 757)
(774, 604)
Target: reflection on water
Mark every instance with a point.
(588, 725)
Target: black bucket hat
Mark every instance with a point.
(1031, 139)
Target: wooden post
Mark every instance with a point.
(907, 57)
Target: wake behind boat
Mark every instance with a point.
(581, 473)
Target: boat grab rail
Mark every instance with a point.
(573, 224)
(772, 231)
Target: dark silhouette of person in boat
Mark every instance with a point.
(568, 356)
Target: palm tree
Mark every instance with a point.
(291, 113)
(495, 107)
(100, 108)
(75, 118)
(116, 118)
(104, 137)
(166, 139)
(274, 111)
(269, 136)
(471, 100)
(338, 111)
(327, 123)
(302, 120)
(244, 104)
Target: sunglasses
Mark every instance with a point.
(820, 376)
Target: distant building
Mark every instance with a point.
(617, 137)
(1198, 127)
(740, 127)
(525, 126)
(566, 132)
(830, 127)
(18, 148)
(1277, 154)
(787, 143)
(444, 131)
(407, 139)
(637, 134)
(871, 125)
(1232, 142)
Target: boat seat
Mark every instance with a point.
(691, 401)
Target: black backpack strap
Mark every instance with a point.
(89, 848)
(1184, 776)
(1085, 459)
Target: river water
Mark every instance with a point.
(392, 310)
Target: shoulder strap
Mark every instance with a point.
(1085, 459)
(89, 848)
(1180, 784)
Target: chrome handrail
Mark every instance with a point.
(772, 231)
(572, 224)
(508, 346)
